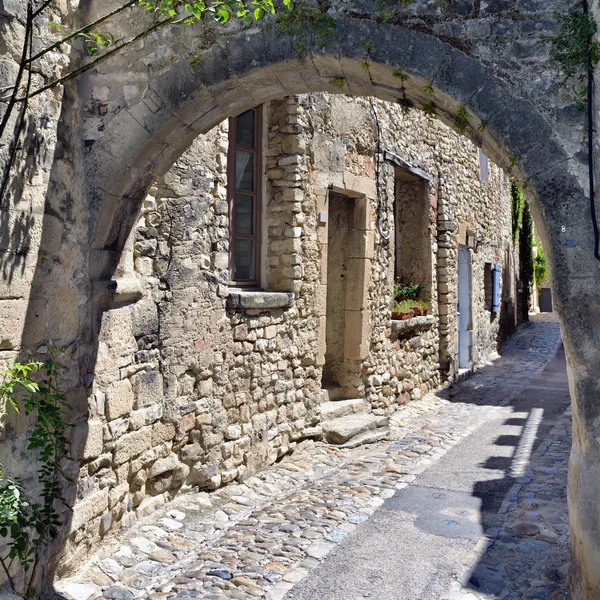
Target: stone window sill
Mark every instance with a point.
(242, 300)
(409, 325)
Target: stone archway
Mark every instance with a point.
(160, 103)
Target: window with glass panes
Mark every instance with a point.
(244, 196)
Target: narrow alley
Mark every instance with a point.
(468, 500)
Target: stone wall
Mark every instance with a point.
(196, 384)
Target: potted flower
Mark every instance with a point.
(406, 309)
(407, 289)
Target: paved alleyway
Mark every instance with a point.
(471, 489)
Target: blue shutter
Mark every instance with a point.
(496, 289)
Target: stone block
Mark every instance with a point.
(361, 244)
(133, 444)
(162, 432)
(147, 388)
(117, 494)
(163, 465)
(88, 508)
(260, 300)
(293, 144)
(119, 399)
(358, 281)
(192, 452)
(87, 440)
(145, 416)
(357, 334)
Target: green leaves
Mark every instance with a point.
(574, 52)
(221, 11)
(461, 121)
(309, 24)
(25, 523)
(96, 41)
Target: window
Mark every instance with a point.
(484, 165)
(488, 286)
(491, 284)
(244, 190)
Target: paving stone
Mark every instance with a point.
(264, 535)
(115, 593)
(144, 545)
(79, 591)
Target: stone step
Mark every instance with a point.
(332, 393)
(341, 408)
(368, 437)
(343, 429)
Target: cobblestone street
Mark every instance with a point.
(270, 537)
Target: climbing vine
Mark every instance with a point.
(308, 24)
(574, 52)
(539, 265)
(517, 201)
(29, 521)
(386, 10)
(461, 121)
(526, 267)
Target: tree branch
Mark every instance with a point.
(38, 11)
(19, 127)
(80, 31)
(6, 569)
(94, 62)
(13, 97)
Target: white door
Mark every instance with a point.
(464, 308)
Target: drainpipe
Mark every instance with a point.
(590, 117)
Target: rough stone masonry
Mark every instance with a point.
(199, 384)
(97, 147)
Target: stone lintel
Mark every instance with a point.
(240, 299)
(401, 164)
(409, 325)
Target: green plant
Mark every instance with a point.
(482, 125)
(539, 265)
(526, 268)
(29, 521)
(408, 287)
(95, 41)
(517, 202)
(461, 122)
(574, 52)
(430, 110)
(404, 307)
(386, 10)
(338, 82)
(400, 74)
(162, 13)
(308, 24)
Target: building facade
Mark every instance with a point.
(252, 306)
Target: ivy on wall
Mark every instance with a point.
(574, 52)
(29, 521)
(517, 207)
(526, 266)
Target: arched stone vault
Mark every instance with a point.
(502, 80)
